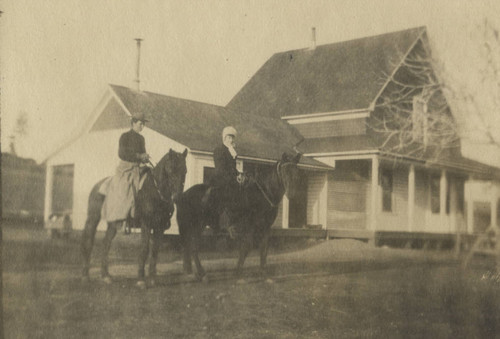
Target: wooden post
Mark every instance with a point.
(493, 204)
(442, 197)
(374, 195)
(494, 221)
(49, 177)
(453, 214)
(411, 198)
(285, 217)
(470, 208)
(323, 204)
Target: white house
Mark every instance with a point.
(174, 123)
(334, 96)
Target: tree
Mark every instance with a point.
(20, 130)
(483, 102)
(413, 113)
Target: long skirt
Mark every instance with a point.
(120, 191)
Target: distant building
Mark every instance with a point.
(23, 186)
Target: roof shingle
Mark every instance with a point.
(199, 125)
(335, 77)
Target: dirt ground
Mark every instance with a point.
(327, 289)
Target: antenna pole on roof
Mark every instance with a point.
(137, 74)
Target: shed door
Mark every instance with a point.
(62, 189)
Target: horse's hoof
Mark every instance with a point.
(107, 280)
(152, 282)
(241, 281)
(269, 281)
(141, 284)
(205, 279)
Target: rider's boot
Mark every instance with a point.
(226, 222)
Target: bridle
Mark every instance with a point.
(280, 182)
(156, 183)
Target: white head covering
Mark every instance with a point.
(229, 130)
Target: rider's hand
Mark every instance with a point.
(144, 157)
(240, 178)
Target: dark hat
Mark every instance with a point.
(139, 116)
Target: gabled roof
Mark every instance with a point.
(199, 125)
(336, 77)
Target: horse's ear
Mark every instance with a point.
(296, 159)
(185, 153)
(284, 157)
(170, 151)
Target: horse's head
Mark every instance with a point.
(171, 173)
(289, 173)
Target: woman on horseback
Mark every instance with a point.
(121, 190)
(226, 196)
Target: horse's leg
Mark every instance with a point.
(155, 248)
(186, 260)
(88, 237)
(143, 253)
(245, 247)
(264, 245)
(200, 272)
(93, 217)
(108, 238)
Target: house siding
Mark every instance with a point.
(397, 219)
(348, 195)
(421, 201)
(315, 184)
(334, 128)
(90, 165)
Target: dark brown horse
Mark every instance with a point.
(263, 195)
(154, 208)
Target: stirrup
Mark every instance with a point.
(232, 232)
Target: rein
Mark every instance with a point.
(156, 183)
(280, 180)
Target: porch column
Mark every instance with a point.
(470, 208)
(443, 183)
(49, 177)
(374, 195)
(453, 206)
(411, 197)
(323, 204)
(493, 207)
(494, 221)
(453, 216)
(285, 222)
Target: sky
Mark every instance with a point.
(58, 56)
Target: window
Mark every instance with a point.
(386, 183)
(434, 186)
